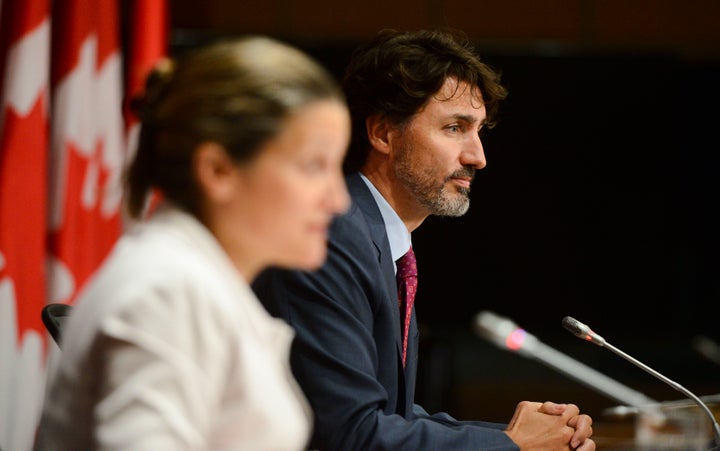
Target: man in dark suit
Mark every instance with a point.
(419, 102)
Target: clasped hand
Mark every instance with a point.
(550, 426)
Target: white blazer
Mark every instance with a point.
(169, 349)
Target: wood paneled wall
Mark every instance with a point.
(689, 27)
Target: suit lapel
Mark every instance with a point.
(365, 201)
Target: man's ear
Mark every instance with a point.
(378, 131)
(214, 171)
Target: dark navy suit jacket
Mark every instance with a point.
(347, 354)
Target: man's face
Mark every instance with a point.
(437, 152)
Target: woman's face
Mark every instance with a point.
(287, 196)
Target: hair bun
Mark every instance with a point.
(156, 82)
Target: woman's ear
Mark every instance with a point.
(378, 131)
(214, 171)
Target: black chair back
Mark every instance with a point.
(53, 317)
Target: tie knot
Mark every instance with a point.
(406, 265)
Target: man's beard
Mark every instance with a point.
(434, 196)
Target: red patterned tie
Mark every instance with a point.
(407, 287)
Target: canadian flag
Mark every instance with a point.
(64, 145)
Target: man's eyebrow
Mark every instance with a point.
(469, 118)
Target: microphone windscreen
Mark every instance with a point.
(493, 327)
(573, 326)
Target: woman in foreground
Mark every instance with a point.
(167, 346)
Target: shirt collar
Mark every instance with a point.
(398, 235)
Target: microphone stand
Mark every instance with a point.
(673, 384)
(580, 330)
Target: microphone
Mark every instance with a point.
(580, 330)
(507, 335)
(707, 348)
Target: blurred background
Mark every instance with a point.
(599, 200)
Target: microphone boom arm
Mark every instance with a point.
(582, 331)
(507, 335)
